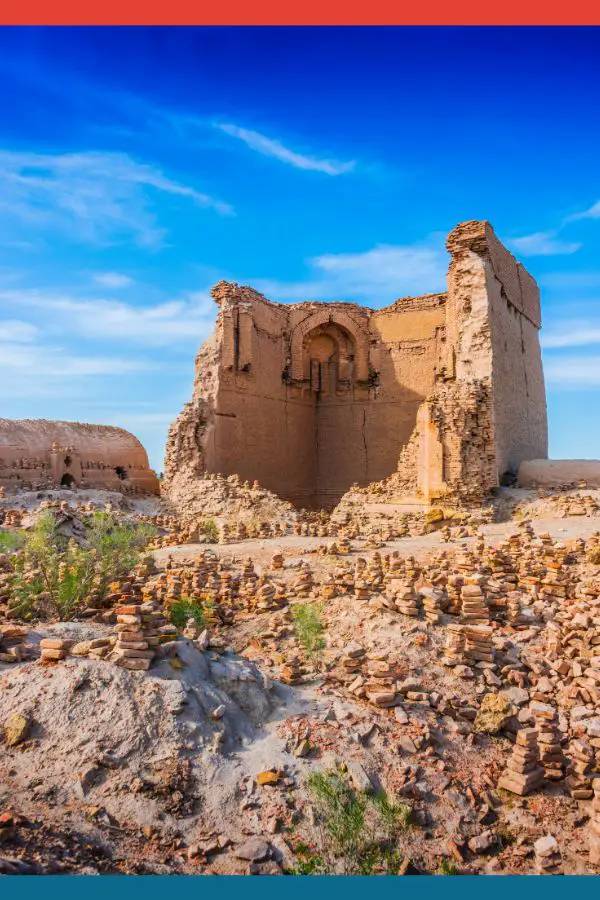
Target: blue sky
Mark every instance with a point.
(140, 165)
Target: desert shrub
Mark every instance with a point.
(185, 608)
(358, 832)
(307, 862)
(53, 575)
(56, 578)
(11, 540)
(210, 530)
(447, 867)
(309, 629)
(594, 556)
(118, 545)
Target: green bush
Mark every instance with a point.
(184, 609)
(359, 832)
(210, 530)
(447, 867)
(11, 540)
(56, 578)
(309, 629)
(118, 545)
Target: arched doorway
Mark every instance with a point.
(329, 353)
(67, 480)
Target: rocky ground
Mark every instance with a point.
(202, 763)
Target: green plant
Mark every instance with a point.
(11, 540)
(309, 629)
(307, 862)
(447, 867)
(54, 577)
(359, 832)
(184, 609)
(210, 530)
(118, 545)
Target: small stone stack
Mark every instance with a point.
(248, 580)
(344, 578)
(329, 587)
(277, 562)
(303, 584)
(292, 671)
(407, 601)
(135, 633)
(432, 604)
(12, 643)
(54, 648)
(344, 546)
(380, 688)
(453, 588)
(578, 780)
(523, 772)
(351, 660)
(513, 607)
(264, 595)
(473, 608)
(478, 644)
(374, 573)
(548, 860)
(548, 736)
(454, 652)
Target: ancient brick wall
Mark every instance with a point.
(37, 453)
(497, 338)
(443, 391)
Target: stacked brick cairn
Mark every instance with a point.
(137, 636)
(523, 772)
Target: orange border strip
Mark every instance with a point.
(309, 12)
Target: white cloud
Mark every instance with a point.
(186, 320)
(572, 371)
(573, 334)
(95, 197)
(270, 147)
(112, 279)
(543, 243)
(378, 276)
(36, 360)
(17, 332)
(592, 213)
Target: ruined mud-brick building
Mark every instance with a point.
(37, 453)
(444, 392)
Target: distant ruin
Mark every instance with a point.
(442, 393)
(38, 453)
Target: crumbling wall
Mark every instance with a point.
(443, 392)
(39, 453)
(488, 411)
(308, 398)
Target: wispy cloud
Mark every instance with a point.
(112, 279)
(102, 198)
(580, 372)
(378, 276)
(270, 147)
(186, 320)
(592, 213)
(14, 331)
(543, 243)
(54, 362)
(573, 334)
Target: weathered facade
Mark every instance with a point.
(445, 392)
(37, 453)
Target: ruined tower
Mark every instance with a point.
(443, 393)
